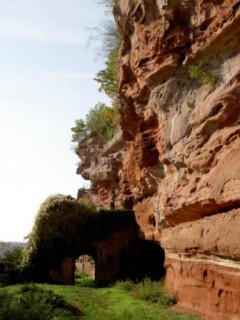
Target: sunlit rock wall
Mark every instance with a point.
(180, 115)
(176, 159)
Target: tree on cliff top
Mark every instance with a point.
(101, 120)
(107, 77)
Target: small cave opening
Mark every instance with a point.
(146, 260)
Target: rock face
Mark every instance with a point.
(202, 264)
(177, 160)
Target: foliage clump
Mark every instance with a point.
(202, 73)
(107, 77)
(148, 290)
(83, 280)
(60, 223)
(101, 120)
(10, 265)
(31, 302)
(63, 227)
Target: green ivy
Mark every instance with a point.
(63, 226)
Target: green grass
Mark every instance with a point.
(31, 302)
(123, 301)
(83, 280)
(148, 290)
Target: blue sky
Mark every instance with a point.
(47, 66)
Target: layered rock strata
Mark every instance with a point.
(203, 264)
(179, 152)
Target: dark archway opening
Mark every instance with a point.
(85, 267)
(84, 274)
(145, 260)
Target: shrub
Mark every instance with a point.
(83, 280)
(31, 302)
(10, 265)
(153, 291)
(79, 131)
(107, 77)
(111, 41)
(201, 73)
(101, 120)
(127, 285)
(148, 290)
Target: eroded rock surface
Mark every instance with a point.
(179, 157)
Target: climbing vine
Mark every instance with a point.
(62, 227)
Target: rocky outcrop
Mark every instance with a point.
(179, 167)
(203, 264)
(101, 163)
(184, 132)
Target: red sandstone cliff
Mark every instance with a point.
(177, 159)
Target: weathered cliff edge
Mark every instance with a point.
(177, 159)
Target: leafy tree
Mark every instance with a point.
(10, 265)
(79, 131)
(107, 77)
(101, 120)
(4, 247)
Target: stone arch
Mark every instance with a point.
(64, 273)
(116, 244)
(115, 258)
(89, 251)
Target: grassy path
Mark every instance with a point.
(114, 304)
(118, 302)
